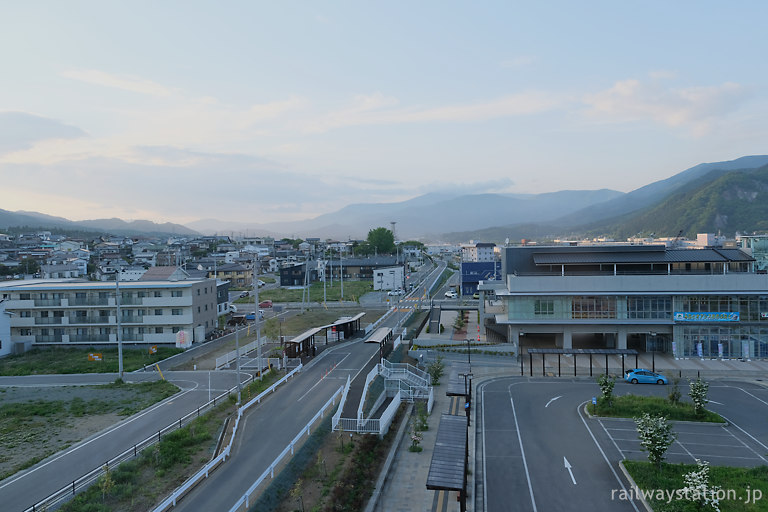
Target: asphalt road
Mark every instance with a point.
(268, 428)
(531, 430)
(23, 489)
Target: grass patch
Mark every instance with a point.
(73, 360)
(138, 484)
(353, 290)
(632, 406)
(670, 478)
(33, 427)
(300, 323)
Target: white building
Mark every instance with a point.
(388, 278)
(478, 251)
(84, 313)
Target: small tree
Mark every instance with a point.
(674, 392)
(697, 487)
(656, 435)
(416, 438)
(698, 395)
(296, 493)
(606, 384)
(106, 484)
(436, 370)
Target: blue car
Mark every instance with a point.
(642, 376)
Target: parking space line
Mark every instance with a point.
(605, 457)
(611, 438)
(742, 442)
(686, 449)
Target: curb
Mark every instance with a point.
(374, 500)
(633, 485)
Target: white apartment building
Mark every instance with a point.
(49, 312)
(478, 251)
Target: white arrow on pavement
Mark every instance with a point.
(554, 400)
(568, 467)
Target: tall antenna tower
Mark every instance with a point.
(394, 237)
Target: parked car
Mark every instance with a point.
(243, 294)
(643, 376)
(395, 292)
(265, 304)
(252, 315)
(232, 308)
(451, 294)
(476, 295)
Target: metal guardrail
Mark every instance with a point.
(270, 472)
(171, 500)
(82, 483)
(337, 417)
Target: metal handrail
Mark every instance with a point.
(86, 480)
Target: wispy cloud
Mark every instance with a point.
(124, 82)
(496, 186)
(377, 109)
(693, 108)
(20, 131)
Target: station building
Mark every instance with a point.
(70, 312)
(705, 302)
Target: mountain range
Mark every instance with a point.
(710, 197)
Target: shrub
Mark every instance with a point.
(698, 394)
(656, 435)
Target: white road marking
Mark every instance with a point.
(570, 471)
(522, 450)
(552, 400)
(605, 458)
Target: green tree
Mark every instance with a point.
(381, 240)
(656, 435)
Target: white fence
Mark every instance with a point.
(337, 416)
(229, 357)
(171, 500)
(270, 472)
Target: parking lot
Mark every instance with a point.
(721, 445)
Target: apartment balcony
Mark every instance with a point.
(48, 320)
(54, 338)
(74, 320)
(88, 338)
(47, 302)
(90, 301)
(132, 337)
(132, 301)
(131, 320)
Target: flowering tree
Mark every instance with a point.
(606, 384)
(697, 487)
(416, 438)
(656, 435)
(698, 395)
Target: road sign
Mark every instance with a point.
(153, 349)
(95, 356)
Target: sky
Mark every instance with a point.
(256, 111)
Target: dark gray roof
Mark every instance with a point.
(448, 468)
(644, 257)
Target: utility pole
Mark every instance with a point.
(119, 324)
(237, 358)
(256, 314)
(341, 269)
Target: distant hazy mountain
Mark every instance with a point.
(663, 207)
(35, 220)
(657, 192)
(437, 213)
(723, 201)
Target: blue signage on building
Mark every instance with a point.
(706, 317)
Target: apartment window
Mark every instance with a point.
(175, 329)
(158, 330)
(25, 314)
(103, 295)
(176, 312)
(103, 312)
(158, 312)
(198, 291)
(25, 332)
(206, 290)
(198, 309)
(141, 330)
(141, 295)
(175, 293)
(81, 313)
(206, 307)
(158, 294)
(24, 296)
(544, 307)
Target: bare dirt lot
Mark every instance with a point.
(38, 422)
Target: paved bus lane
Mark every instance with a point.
(541, 454)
